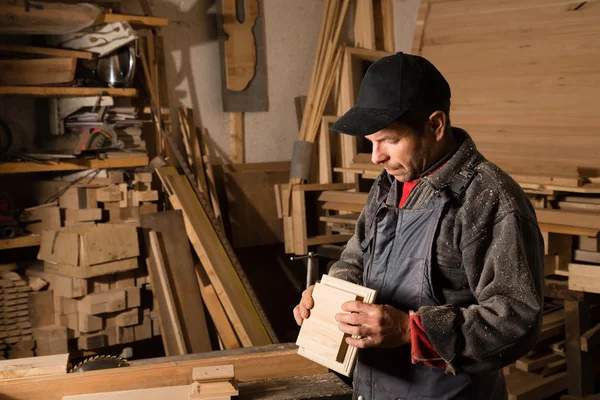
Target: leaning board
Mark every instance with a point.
(320, 340)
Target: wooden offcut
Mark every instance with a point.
(34, 366)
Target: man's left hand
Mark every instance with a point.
(376, 325)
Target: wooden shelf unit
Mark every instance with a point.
(53, 91)
(21, 241)
(71, 165)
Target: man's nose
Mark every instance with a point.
(378, 156)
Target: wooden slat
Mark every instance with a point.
(215, 260)
(330, 205)
(181, 273)
(344, 197)
(574, 219)
(277, 361)
(169, 320)
(327, 239)
(71, 165)
(66, 91)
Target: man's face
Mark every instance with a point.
(401, 151)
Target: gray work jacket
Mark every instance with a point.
(487, 263)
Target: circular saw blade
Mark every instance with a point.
(100, 362)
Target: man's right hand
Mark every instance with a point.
(302, 310)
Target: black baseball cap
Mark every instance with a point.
(391, 87)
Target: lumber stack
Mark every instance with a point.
(96, 284)
(15, 326)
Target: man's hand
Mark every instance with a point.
(301, 311)
(377, 325)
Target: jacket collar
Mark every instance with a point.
(463, 156)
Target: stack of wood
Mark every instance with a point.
(15, 326)
(542, 372)
(93, 274)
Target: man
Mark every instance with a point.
(449, 241)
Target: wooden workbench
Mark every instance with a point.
(274, 372)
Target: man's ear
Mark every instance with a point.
(437, 123)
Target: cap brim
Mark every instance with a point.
(359, 121)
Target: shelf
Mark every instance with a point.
(50, 91)
(72, 165)
(21, 241)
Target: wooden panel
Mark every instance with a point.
(167, 314)
(252, 207)
(522, 73)
(43, 71)
(180, 269)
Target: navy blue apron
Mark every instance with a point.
(397, 256)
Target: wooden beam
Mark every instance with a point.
(20, 241)
(590, 339)
(71, 165)
(268, 362)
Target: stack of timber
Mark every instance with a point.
(15, 326)
(95, 284)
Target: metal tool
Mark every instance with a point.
(312, 266)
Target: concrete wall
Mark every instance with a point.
(291, 33)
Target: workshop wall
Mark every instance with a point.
(291, 34)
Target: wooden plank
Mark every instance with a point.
(103, 302)
(584, 278)
(42, 71)
(587, 256)
(181, 272)
(41, 308)
(590, 339)
(162, 289)
(569, 230)
(210, 176)
(344, 197)
(215, 260)
(316, 187)
(327, 239)
(299, 222)
(330, 205)
(236, 121)
(575, 219)
(88, 214)
(34, 366)
(47, 51)
(271, 362)
(20, 241)
(536, 361)
(216, 311)
(364, 25)
(71, 165)
(66, 91)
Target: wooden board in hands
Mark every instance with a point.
(320, 340)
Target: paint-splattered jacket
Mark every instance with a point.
(487, 263)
